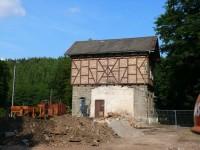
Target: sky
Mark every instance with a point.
(47, 28)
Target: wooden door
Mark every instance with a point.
(99, 108)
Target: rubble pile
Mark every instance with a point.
(60, 130)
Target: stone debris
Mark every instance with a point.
(26, 142)
(60, 130)
(174, 148)
(74, 140)
(9, 134)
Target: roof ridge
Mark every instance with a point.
(142, 37)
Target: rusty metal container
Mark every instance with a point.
(17, 110)
(62, 109)
(50, 110)
(43, 109)
(196, 127)
(56, 109)
(22, 110)
(27, 110)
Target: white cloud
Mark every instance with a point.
(73, 10)
(11, 8)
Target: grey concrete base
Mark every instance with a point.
(80, 91)
(143, 105)
(123, 128)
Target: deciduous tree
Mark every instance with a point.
(178, 76)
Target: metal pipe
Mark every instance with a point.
(13, 87)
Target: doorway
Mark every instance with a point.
(99, 108)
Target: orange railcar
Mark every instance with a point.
(42, 110)
(22, 110)
(56, 109)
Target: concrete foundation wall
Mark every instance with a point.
(140, 103)
(80, 91)
(136, 100)
(143, 104)
(117, 99)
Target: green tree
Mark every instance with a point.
(62, 89)
(4, 83)
(33, 77)
(177, 78)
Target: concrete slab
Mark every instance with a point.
(123, 128)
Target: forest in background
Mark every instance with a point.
(176, 77)
(37, 79)
(4, 86)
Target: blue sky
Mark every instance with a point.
(47, 28)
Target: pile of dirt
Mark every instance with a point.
(61, 130)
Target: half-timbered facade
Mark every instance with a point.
(111, 70)
(113, 76)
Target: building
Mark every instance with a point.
(113, 76)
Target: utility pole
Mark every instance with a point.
(13, 88)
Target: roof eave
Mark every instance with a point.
(111, 53)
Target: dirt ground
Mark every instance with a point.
(151, 138)
(55, 131)
(163, 138)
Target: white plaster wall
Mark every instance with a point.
(117, 99)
